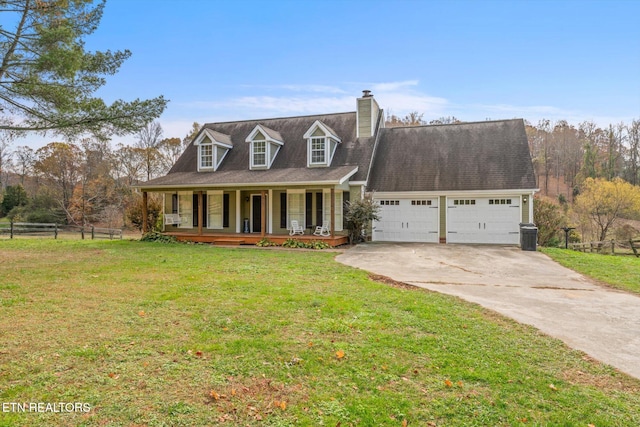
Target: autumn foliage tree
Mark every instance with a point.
(602, 203)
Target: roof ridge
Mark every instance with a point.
(279, 118)
(453, 124)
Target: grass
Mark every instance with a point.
(622, 272)
(152, 334)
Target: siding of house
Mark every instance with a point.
(525, 208)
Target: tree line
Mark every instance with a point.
(83, 183)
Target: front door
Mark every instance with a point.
(256, 213)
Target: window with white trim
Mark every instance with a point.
(214, 209)
(259, 153)
(295, 207)
(318, 151)
(462, 202)
(206, 156)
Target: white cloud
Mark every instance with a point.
(393, 86)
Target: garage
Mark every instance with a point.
(407, 220)
(492, 220)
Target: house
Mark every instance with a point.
(245, 180)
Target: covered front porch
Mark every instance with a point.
(248, 215)
(253, 238)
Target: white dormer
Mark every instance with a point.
(322, 142)
(212, 148)
(265, 144)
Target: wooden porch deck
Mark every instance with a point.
(252, 238)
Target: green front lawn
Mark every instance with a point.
(151, 334)
(622, 272)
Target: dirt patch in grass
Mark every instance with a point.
(602, 382)
(247, 400)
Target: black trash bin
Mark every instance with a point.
(528, 237)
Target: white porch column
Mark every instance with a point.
(238, 215)
(270, 212)
(531, 207)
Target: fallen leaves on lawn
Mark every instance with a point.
(552, 387)
(448, 383)
(339, 354)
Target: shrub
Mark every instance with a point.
(154, 236)
(314, 244)
(318, 244)
(548, 217)
(264, 243)
(359, 214)
(293, 243)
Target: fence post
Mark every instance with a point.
(55, 231)
(613, 247)
(11, 232)
(93, 233)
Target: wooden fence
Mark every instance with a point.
(48, 229)
(607, 246)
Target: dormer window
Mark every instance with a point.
(212, 148)
(206, 154)
(265, 144)
(322, 142)
(318, 151)
(259, 149)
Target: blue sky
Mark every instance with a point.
(231, 60)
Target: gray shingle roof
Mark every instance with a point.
(221, 137)
(247, 177)
(492, 155)
(273, 134)
(290, 164)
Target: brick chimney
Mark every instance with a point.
(367, 111)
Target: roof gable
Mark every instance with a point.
(264, 133)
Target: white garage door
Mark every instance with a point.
(483, 220)
(407, 220)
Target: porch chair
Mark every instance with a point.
(296, 228)
(322, 230)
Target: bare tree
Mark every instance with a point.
(149, 139)
(25, 158)
(633, 158)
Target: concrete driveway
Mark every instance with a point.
(526, 286)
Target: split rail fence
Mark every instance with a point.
(13, 229)
(608, 246)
